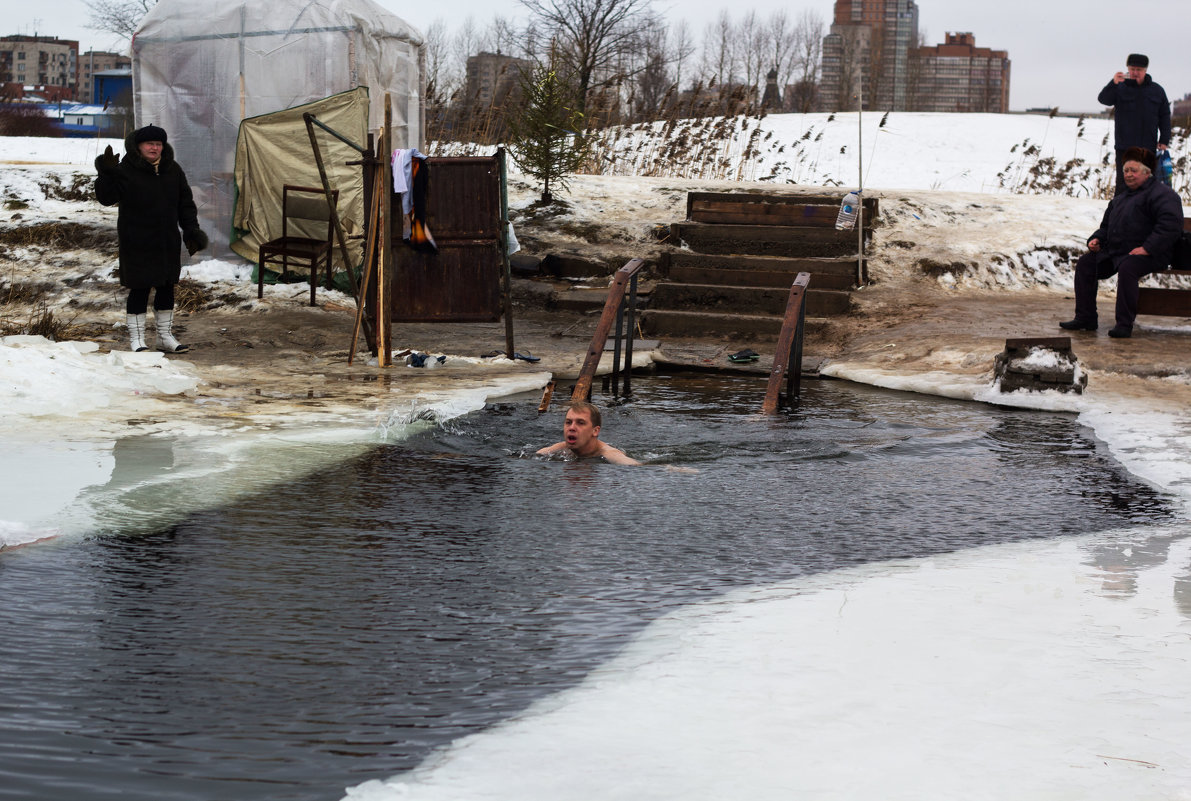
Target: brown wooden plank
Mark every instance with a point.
(1024, 343)
(765, 208)
(757, 278)
(755, 218)
(595, 351)
(1164, 302)
(786, 342)
(763, 213)
(871, 204)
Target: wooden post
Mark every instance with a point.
(787, 355)
(620, 281)
(384, 350)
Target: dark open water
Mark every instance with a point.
(339, 627)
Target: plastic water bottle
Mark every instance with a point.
(1165, 166)
(848, 210)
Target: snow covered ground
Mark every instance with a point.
(1004, 672)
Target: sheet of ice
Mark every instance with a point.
(1015, 671)
(72, 463)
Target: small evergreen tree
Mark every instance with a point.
(546, 135)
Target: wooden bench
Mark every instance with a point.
(1166, 302)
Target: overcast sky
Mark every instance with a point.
(1062, 51)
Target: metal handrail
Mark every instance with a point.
(787, 357)
(614, 311)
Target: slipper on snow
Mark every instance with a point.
(745, 355)
(528, 357)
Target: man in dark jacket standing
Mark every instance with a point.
(1135, 238)
(155, 202)
(1141, 110)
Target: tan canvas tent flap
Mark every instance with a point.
(273, 150)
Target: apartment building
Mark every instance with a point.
(46, 64)
(959, 76)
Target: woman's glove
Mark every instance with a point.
(107, 162)
(195, 240)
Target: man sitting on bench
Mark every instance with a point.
(1135, 238)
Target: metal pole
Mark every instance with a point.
(860, 183)
(384, 273)
(503, 242)
(616, 349)
(628, 345)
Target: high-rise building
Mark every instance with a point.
(868, 51)
(46, 63)
(491, 77)
(959, 76)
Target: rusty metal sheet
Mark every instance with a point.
(461, 283)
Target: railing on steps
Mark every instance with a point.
(787, 357)
(616, 308)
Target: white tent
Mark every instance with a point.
(199, 67)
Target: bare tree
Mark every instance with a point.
(753, 44)
(682, 48)
(783, 45)
(808, 47)
(504, 37)
(593, 35)
(121, 17)
(719, 50)
(653, 80)
(442, 75)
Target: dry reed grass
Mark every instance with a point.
(60, 236)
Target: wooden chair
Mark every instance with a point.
(307, 207)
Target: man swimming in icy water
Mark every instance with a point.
(581, 436)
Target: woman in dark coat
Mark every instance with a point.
(1135, 238)
(155, 202)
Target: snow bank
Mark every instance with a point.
(39, 378)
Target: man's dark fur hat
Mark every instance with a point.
(1142, 156)
(1137, 60)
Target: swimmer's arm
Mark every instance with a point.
(555, 448)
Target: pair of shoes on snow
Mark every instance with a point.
(744, 356)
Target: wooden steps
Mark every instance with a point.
(839, 272)
(735, 327)
(742, 252)
(745, 299)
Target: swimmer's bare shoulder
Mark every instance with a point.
(615, 455)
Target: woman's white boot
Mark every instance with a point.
(136, 333)
(165, 332)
